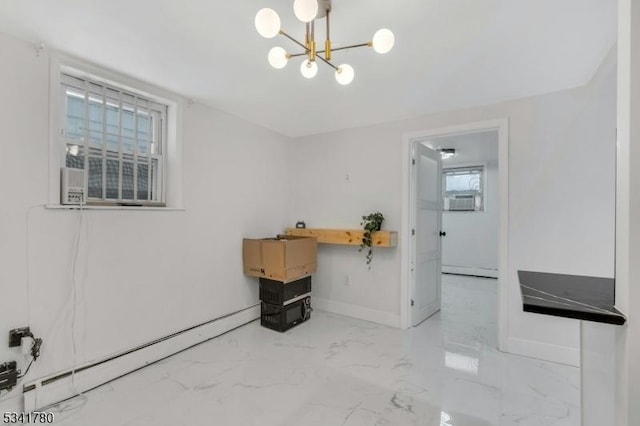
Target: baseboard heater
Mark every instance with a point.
(50, 390)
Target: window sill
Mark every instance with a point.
(136, 208)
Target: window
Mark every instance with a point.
(117, 137)
(463, 188)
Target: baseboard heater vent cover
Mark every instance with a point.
(50, 390)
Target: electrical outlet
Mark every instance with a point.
(16, 335)
(8, 375)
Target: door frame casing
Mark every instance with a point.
(502, 127)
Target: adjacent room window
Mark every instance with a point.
(117, 137)
(463, 188)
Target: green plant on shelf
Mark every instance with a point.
(370, 223)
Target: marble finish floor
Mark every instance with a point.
(335, 370)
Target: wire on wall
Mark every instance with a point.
(27, 253)
(74, 283)
(36, 343)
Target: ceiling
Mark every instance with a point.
(475, 148)
(449, 54)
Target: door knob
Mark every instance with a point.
(443, 234)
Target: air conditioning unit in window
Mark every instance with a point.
(73, 188)
(462, 203)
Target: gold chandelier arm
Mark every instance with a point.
(294, 55)
(327, 42)
(352, 46)
(327, 62)
(306, 49)
(312, 42)
(307, 37)
(368, 44)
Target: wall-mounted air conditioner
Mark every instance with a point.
(73, 186)
(462, 203)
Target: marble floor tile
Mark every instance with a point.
(335, 370)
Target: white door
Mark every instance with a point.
(426, 224)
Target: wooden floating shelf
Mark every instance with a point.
(350, 237)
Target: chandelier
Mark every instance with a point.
(267, 23)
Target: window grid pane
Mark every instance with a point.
(103, 189)
(118, 140)
(95, 177)
(113, 178)
(143, 181)
(74, 159)
(74, 125)
(135, 150)
(120, 136)
(127, 180)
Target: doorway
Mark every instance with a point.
(411, 287)
(470, 202)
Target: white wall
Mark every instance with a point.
(627, 213)
(561, 206)
(597, 373)
(323, 197)
(142, 274)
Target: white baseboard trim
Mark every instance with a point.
(464, 270)
(554, 353)
(355, 311)
(50, 390)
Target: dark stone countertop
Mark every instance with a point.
(570, 296)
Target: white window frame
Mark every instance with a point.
(170, 195)
(483, 185)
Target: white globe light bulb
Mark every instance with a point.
(267, 23)
(309, 69)
(345, 74)
(278, 57)
(383, 41)
(305, 10)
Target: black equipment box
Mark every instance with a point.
(8, 375)
(278, 293)
(282, 318)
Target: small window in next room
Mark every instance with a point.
(117, 137)
(463, 188)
